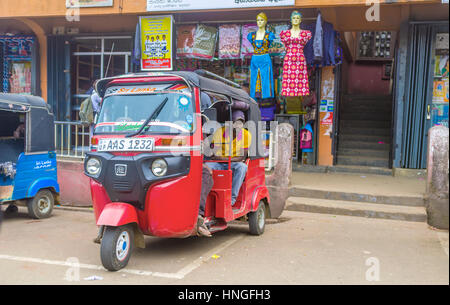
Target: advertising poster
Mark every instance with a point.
(156, 43)
(438, 91)
(20, 80)
(440, 115)
(326, 112)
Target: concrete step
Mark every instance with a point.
(361, 106)
(369, 210)
(363, 145)
(347, 169)
(362, 161)
(370, 116)
(363, 138)
(363, 152)
(388, 199)
(366, 102)
(366, 124)
(364, 130)
(366, 98)
(365, 107)
(354, 169)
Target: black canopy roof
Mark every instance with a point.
(19, 100)
(40, 129)
(206, 84)
(192, 78)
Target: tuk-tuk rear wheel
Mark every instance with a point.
(41, 205)
(116, 247)
(257, 220)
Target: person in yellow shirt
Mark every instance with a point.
(239, 150)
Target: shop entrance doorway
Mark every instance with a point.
(94, 58)
(365, 110)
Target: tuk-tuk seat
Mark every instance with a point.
(220, 195)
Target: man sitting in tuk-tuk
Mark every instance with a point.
(19, 132)
(240, 144)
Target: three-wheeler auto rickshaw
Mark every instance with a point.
(27, 154)
(146, 159)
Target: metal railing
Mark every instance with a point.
(71, 139)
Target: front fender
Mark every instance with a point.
(117, 214)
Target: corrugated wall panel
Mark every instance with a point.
(417, 96)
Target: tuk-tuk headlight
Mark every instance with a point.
(93, 166)
(159, 167)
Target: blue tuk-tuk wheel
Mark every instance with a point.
(41, 205)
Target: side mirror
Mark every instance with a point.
(210, 113)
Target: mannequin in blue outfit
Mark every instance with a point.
(261, 71)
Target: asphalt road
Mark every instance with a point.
(299, 248)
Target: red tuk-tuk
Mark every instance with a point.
(146, 159)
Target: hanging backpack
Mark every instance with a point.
(86, 111)
(306, 139)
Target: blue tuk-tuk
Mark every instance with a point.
(27, 154)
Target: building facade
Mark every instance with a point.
(375, 100)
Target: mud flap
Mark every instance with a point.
(138, 237)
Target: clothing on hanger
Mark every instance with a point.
(295, 73)
(261, 70)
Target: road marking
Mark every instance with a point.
(178, 275)
(84, 266)
(199, 261)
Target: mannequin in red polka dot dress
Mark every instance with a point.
(295, 74)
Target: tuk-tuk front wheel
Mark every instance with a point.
(257, 220)
(116, 247)
(41, 205)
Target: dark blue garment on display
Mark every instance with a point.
(318, 40)
(328, 45)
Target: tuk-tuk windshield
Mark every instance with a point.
(126, 113)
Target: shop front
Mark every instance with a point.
(350, 115)
(18, 64)
(237, 57)
(222, 43)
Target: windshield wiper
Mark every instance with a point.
(151, 117)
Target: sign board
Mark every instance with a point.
(88, 3)
(442, 41)
(156, 43)
(184, 5)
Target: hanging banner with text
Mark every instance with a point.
(156, 43)
(181, 5)
(88, 3)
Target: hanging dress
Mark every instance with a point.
(295, 73)
(261, 71)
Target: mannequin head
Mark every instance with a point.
(296, 18)
(261, 20)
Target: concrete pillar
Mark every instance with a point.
(278, 182)
(436, 197)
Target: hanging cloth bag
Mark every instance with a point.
(306, 138)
